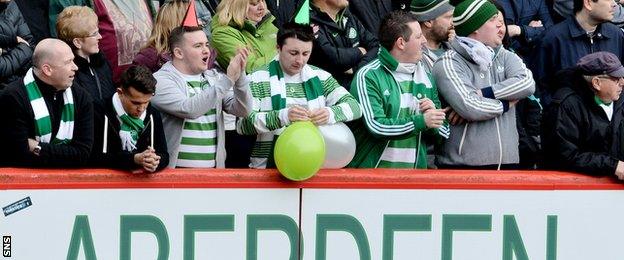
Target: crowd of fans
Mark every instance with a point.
(453, 84)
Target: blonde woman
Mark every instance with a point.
(244, 24)
(156, 52)
(78, 27)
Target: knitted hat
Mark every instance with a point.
(426, 10)
(470, 15)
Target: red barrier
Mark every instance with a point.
(13, 178)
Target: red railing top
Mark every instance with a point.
(13, 178)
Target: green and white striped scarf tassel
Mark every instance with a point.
(130, 127)
(43, 124)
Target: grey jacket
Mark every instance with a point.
(429, 57)
(172, 100)
(482, 98)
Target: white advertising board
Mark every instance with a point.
(337, 224)
(152, 224)
(462, 224)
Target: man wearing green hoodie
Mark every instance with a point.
(399, 100)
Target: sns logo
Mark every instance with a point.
(6, 246)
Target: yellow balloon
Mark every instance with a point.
(299, 151)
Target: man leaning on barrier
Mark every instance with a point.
(46, 122)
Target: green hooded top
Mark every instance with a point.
(260, 41)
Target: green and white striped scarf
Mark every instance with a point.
(43, 123)
(130, 126)
(414, 83)
(312, 87)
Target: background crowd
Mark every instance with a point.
(459, 84)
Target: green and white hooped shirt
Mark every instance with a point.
(198, 145)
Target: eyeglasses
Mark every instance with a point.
(93, 34)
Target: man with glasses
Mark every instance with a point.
(46, 122)
(579, 124)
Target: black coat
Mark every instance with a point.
(370, 12)
(18, 125)
(336, 47)
(576, 133)
(36, 14)
(116, 157)
(528, 122)
(99, 85)
(401, 5)
(284, 11)
(16, 57)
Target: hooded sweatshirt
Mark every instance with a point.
(478, 84)
(172, 100)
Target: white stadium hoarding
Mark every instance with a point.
(215, 218)
(152, 223)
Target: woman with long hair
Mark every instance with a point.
(156, 51)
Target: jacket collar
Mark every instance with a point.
(250, 27)
(387, 60)
(577, 31)
(45, 88)
(319, 16)
(95, 60)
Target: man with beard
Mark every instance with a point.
(481, 84)
(585, 110)
(436, 22)
(192, 98)
(588, 31)
(342, 45)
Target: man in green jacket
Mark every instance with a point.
(399, 100)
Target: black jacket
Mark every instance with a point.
(576, 133)
(99, 84)
(36, 14)
(284, 11)
(401, 5)
(336, 47)
(528, 122)
(18, 125)
(116, 157)
(16, 57)
(370, 12)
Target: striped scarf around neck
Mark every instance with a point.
(130, 127)
(43, 122)
(311, 85)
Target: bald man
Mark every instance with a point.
(45, 121)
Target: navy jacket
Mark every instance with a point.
(521, 13)
(336, 47)
(564, 44)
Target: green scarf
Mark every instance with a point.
(130, 126)
(43, 124)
